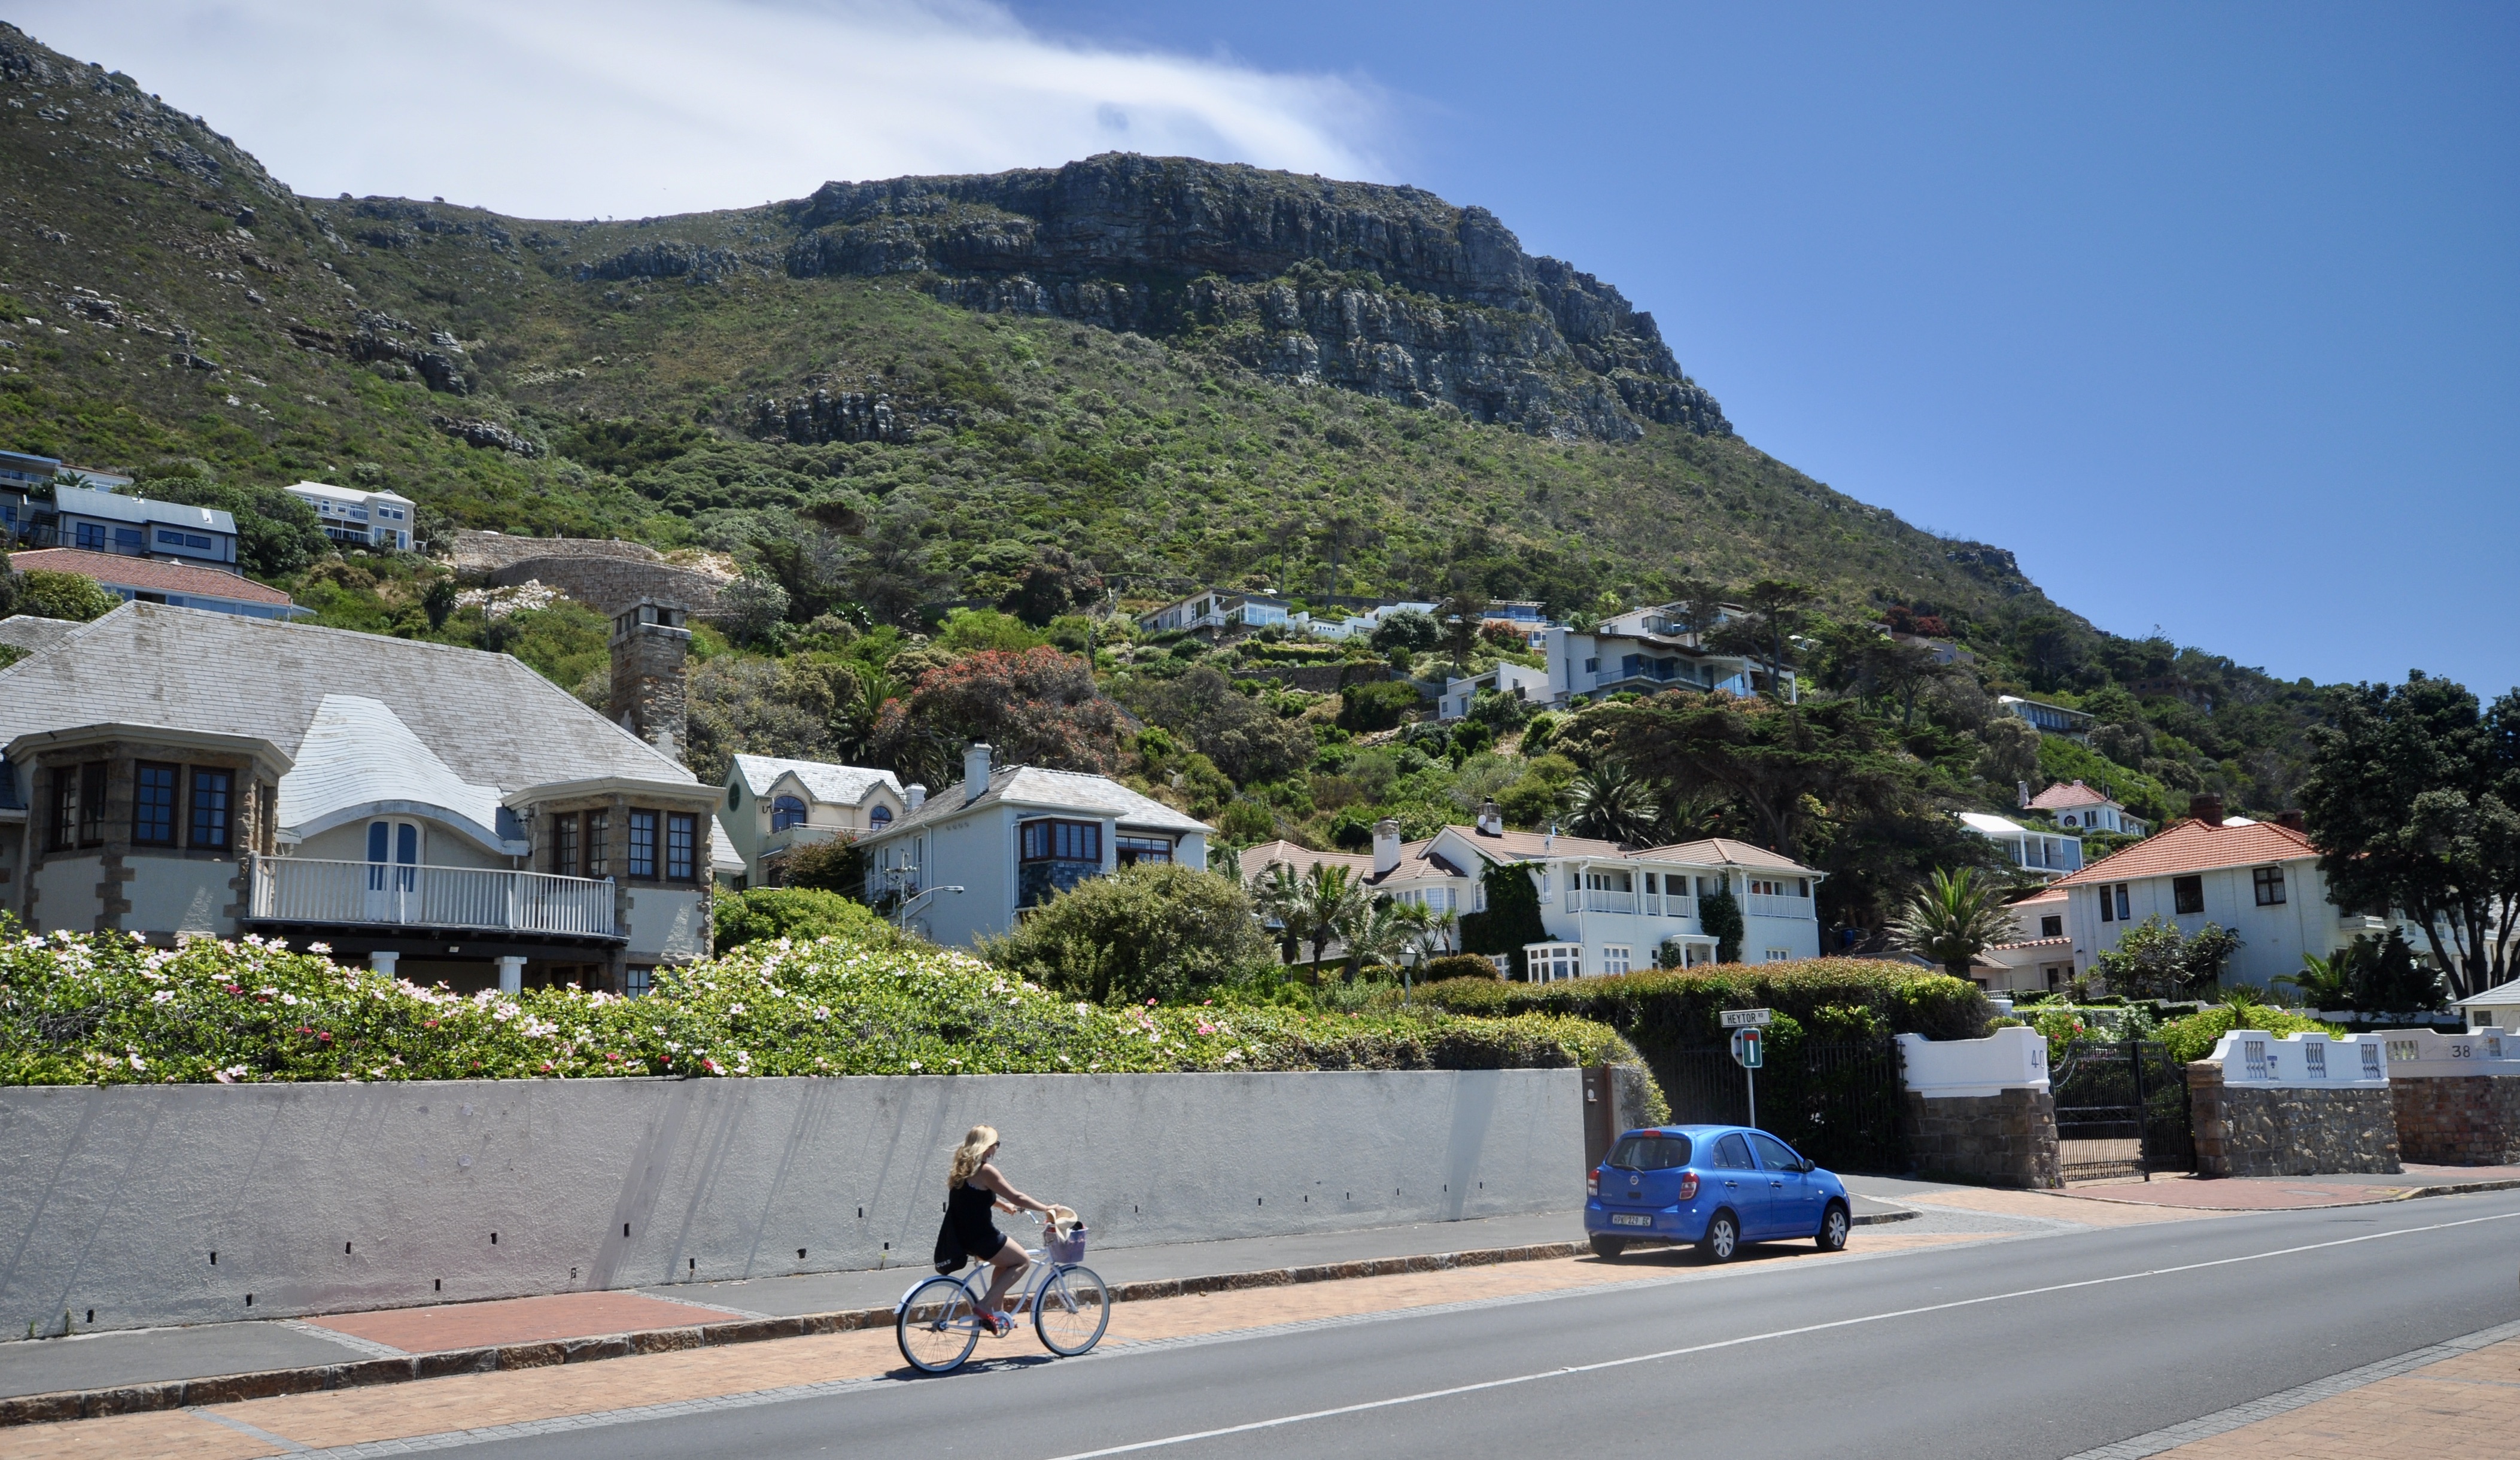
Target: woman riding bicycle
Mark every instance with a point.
(974, 1187)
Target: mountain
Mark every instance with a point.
(894, 396)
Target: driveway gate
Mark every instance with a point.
(1838, 1104)
(2121, 1110)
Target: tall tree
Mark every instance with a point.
(1780, 604)
(2414, 800)
(1035, 708)
(1952, 919)
(1614, 804)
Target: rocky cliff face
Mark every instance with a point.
(1388, 291)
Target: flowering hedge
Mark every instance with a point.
(105, 1008)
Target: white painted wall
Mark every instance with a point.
(666, 922)
(2011, 1058)
(2272, 939)
(116, 1197)
(65, 888)
(179, 894)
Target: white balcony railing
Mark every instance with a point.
(1770, 904)
(304, 890)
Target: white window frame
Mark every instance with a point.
(1617, 958)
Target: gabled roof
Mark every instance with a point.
(1532, 846)
(831, 784)
(2192, 846)
(148, 574)
(2066, 797)
(1418, 860)
(34, 634)
(1033, 787)
(491, 720)
(1724, 851)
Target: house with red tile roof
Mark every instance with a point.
(2038, 958)
(155, 580)
(2074, 803)
(2259, 879)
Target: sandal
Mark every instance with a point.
(998, 1324)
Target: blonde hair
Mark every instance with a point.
(968, 1156)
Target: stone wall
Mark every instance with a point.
(2004, 1140)
(481, 553)
(2469, 1119)
(2288, 1130)
(609, 585)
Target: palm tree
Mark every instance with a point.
(1613, 804)
(1380, 931)
(2325, 983)
(1314, 905)
(1952, 919)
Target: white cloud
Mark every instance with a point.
(643, 106)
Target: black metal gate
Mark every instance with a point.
(1838, 1104)
(2121, 1110)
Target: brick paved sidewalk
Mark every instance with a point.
(2294, 1193)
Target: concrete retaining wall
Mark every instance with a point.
(324, 1198)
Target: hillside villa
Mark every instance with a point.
(2074, 803)
(1648, 650)
(774, 805)
(2041, 854)
(156, 580)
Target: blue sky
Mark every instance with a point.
(2208, 312)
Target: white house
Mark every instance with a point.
(1518, 680)
(965, 861)
(1648, 650)
(2040, 853)
(2498, 1007)
(2259, 879)
(1211, 609)
(438, 812)
(2050, 719)
(362, 519)
(1405, 871)
(775, 805)
(2038, 958)
(2075, 804)
(1359, 625)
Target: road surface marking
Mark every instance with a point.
(1659, 1355)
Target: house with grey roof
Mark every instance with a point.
(439, 812)
(135, 527)
(774, 805)
(964, 864)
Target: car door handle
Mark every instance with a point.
(1779, 1185)
(1732, 1183)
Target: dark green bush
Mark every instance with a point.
(1376, 707)
(1144, 932)
(798, 913)
(1456, 966)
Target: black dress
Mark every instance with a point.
(968, 1215)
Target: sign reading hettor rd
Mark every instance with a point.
(1748, 1018)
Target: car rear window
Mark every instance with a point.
(1649, 1153)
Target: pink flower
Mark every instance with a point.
(1151, 1003)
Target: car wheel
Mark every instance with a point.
(1723, 1238)
(1609, 1247)
(1833, 1225)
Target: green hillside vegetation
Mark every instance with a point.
(1027, 481)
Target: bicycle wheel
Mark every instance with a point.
(937, 1326)
(1071, 1311)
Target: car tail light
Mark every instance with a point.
(1689, 1187)
(1593, 1181)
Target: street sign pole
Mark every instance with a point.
(1751, 1074)
(1750, 1048)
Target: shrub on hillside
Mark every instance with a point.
(73, 597)
(802, 913)
(1144, 932)
(1377, 706)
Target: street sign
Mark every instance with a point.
(1749, 1048)
(1748, 1018)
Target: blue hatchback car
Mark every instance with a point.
(1718, 1186)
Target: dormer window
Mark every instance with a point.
(786, 811)
(881, 816)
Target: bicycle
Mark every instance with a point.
(938, 1321)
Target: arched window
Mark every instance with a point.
(786, 811)
(881, 816)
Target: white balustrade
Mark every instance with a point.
(2253, 1057)
(2421, 1054)
(1770, 904)
(305, 890)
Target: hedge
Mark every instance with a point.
(105, 1008)
(2195, 1037)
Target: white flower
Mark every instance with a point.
(913, 1064)
(162, 995)
(137, 1062)
(319, 948)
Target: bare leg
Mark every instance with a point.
(1010, 1264)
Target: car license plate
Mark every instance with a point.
(1623, 1219)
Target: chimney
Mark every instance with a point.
(2025, 793)
(2206, 807)
(976, 772)
(2295, 820)
(914, 796)
(649, 646)
(1491, 820)
(1386, 846)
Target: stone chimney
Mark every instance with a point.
(1386, 846)
(2295, 820)
(650, 647)
(976, 772)
(1491, 820)
(914, 796)
(2206, 807)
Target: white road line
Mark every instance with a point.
(1281, 1421)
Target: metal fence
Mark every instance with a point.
(1838, 1104)
(2121, 1110)
(306, 890)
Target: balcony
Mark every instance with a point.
(1770, 904)
(473, 899)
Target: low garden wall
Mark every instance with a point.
(2300, 1106)
(2456, 1098)
(319, 1198)
(1980, 1110)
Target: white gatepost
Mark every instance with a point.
(2012, 1058)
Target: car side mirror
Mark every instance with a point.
(1806, 1167)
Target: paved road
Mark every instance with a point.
(2038, 1347)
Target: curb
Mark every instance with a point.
(2453, 1188)
(228, 1388)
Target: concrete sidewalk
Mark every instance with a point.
(764, 1308)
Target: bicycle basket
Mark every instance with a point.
(1070, 1249)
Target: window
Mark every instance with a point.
(1063, 841)
(2052, 927)
(1615, 958)
(130, 539)
(1146, 851)
(211, 790)
(636, 981)
(1773, 1154)
(682, 831)
(195, 539)
(1780, 955)
(2269, 885)
(91, 803)
(152, 805)
(1649, 1153)
(2187, 893)
(1731, 1152)
(62, 829)
(643, 843)
(786, 811)
(880, 817)
(167, 539)
(1591, 666)
(565, 845)
(2113, 903)
(598, 843)
(91, 536)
